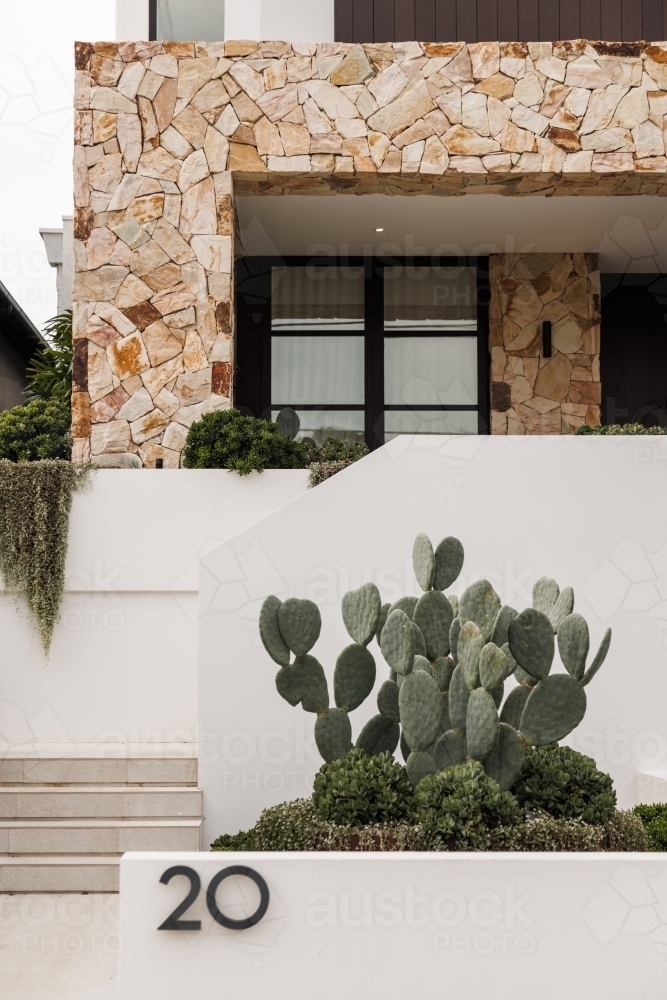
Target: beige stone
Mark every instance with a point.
(584, 72)
(248, 79)
(211, 97)
(578, 163)
(464, 142)
(612, 162)
(268, 138)
(330, 100)
(529, 90)
(498, 86)
(160, 342)
(601, 108)
(485, 59)
(524, 306)
(355, 68)
(552, 68)
(275, 75)
(566, 336)
(100, 247)
(110, 438)
(167, 402)
(516, 140)
(173, 244)
(128, 356)
(608, 140)
(459, 70)
(194, 355)
(388, 84)
(554, 97)
(194, 169)
(474, 114)
(100, 376)
(420, 130)
(130, 80)
(132, 292)
(160, 164)
(193, 387)
(553, 380)
(175, 437)
(149, 426)
(213, 252)
(276, 104)
(106, 175)
(104, 126)
(295, 139)
(531, 120)
(198, 209)
(450, 105)
(248, 111)
(187, 415)
(155, 379)
(108, 99)
(193, 74)
(435, 158)
(521, 390)
(138, 405)
(245, 158)
(632, 109)
(147, 258)
(192, 126)
(99, 285)
(648, 139)
(151, 451)
(413, 103)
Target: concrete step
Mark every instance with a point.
(159, 771)
(99, 801)
(60, 873)
(97, 836)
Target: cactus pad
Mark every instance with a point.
(379, 735)
(434, 616)
(384, 611)
(513, 665)
(354, 676)
(423, 561)
(454, 601)
(497, 693)
(448, 563)
(388, 701)
(481, 724)
(398, 642)
(405, 604)
(445, 721)
(269, 631)
(480, 604)
(420, 645)
(449, 750)
(493, 666)
(562, 608)
(300, 623)
(333, 734)
(506, 759)
(421, 663)
(442, 672)
(553, 709)
(501, 625)
(531, 642)
(573, 644)
(405, 748)
(514, 705)
(459, 694)
(454, 634)
(545, 595)
(470, 645)
(361, 610)
(420, 706)
(418, 765)
(304, 682)
(599, 659)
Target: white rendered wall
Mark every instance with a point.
(588, 511)
(288, 20)
(123, 664)
(131, 20)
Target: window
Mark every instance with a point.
(366, 349)
(186, 20)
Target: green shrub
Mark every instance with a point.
(622, 832)
(334, 450)
(654, 820)
(620, 429)
(358, 790)
(321, 471)
(50, 368)
(462, 803)
(226, 439)
(565, 784)
(38, 430)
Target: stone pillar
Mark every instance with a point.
(153, 247)
(531, 394)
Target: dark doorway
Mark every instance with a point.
(634, 349)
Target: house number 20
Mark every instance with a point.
(174, 922)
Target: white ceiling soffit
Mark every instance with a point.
(630, 233)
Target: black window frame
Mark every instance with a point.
(252, 368)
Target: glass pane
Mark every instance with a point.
(429, 422)
(317, 370)
(430, 370)
(347, 425)
(191, 20)
(317, 298)
(430, 298)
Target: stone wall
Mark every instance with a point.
(530, 393)
(166, 132)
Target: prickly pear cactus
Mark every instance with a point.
(450, 660)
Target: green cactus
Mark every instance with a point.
(449, 661)
(361, 611)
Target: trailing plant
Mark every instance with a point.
(38, 430)
(449, 659)
(620, 429)
(321, 471)
(462, 803)
(623, 831)
(565, 784)
(50, 369)
(654, 821)
(334, 450)
(35, 504)
(359, 790)
(226, 439)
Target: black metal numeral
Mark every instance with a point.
(173, 921)
(237, 925)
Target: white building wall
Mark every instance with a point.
(288, 20)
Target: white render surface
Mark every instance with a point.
(589, 512)
(393, 925)
(121, 678)
(293, 20)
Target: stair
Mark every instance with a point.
(66, 821)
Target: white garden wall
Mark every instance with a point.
(123, 664)
(588, 511)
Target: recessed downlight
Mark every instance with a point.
(379, 229)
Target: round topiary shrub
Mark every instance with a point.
(226, 439)
(40, 429)
(358, 790)
(462, 803)
(654, 820)
(565, 784)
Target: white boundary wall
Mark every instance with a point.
(123, 664)
(395, 925)
(590, 512)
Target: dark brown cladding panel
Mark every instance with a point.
(500, 20)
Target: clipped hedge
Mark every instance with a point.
(359, 790)
(227, 439)
(39, 430)
(565, 784)
(620, 429)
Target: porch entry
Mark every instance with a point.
(364, 349)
